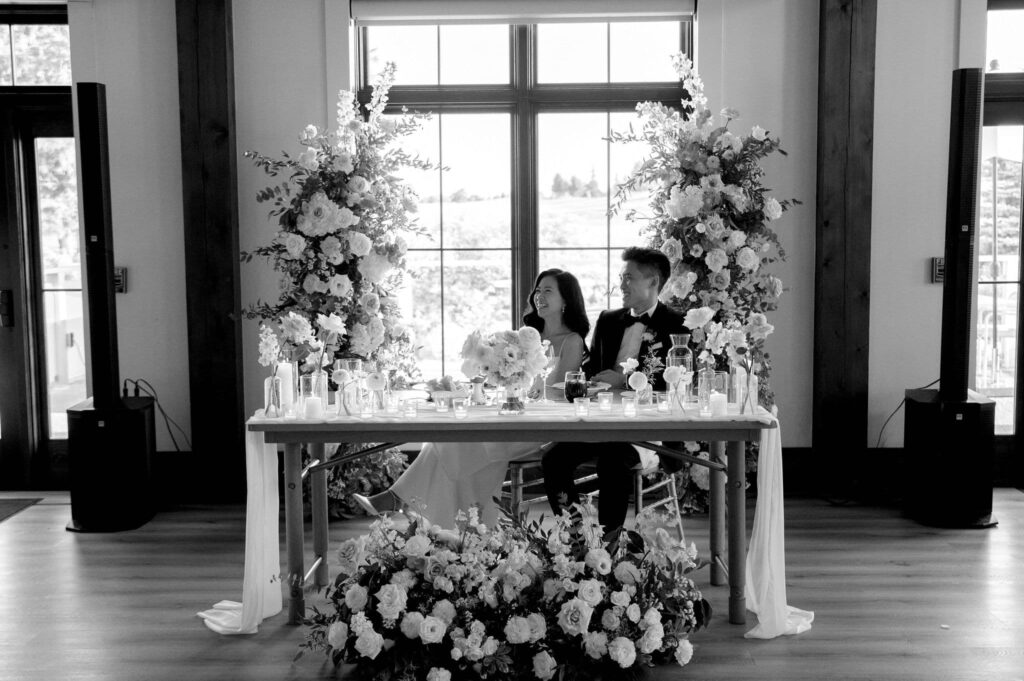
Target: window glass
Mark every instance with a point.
(1004, 47)
(6, 72)
(572, 179)
(623, 159)
(641, 51)
(474, 54)
(42, 54)
(477, 185)
(572, 53)
(413, 49)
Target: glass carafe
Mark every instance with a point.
(680, 355)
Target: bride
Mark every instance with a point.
(452, 476)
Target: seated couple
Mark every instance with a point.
(448, 477)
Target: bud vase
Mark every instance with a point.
(272, 397)
(513, 404)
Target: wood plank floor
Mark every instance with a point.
(893, 600)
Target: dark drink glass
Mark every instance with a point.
(575, 385)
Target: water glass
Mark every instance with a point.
(460, 406)
(582, 405)
(629, 406)
(604, 401)
(663, 402)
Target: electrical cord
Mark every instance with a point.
(146, 387)
(878, 443)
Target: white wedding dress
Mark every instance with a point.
(448, 477)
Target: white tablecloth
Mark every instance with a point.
(766, 556)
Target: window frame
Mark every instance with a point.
(524, 99)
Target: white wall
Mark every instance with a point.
(131, 47)
(913, 81)
(761, 57)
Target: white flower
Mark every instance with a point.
(269, 347)
(343, 161)
(432, 630)
(633, 613)
(684, 652)
(651, 617)
(331, 323)
(699, 474)
(294, 245)
(736, 239)
(417, 546)
(374, 267)
(776, 286)
(758, 133)
(595, 643)
(544, 665)
(346, 218)
(370, 302)
(609, 620)
(359, 244)
(672, 248)
(314, 284)
(747, 259)
(403, 578)
(391, 600)
(629, 365)
(411, 623)
(517, 630)
(369, 644)
(627, 573)
(438, 674)
(307, 159)
(599, 561)
(772, 209)
(538, 626)
(359, 623)
(652, 639)
(356, 597)
(574, 616)
(697, 318)
(685, 203)
(337, 635)
(357, 185)
(350, 554)
(331, 248)
(319, 216)
(638, 380)
(490, 646)
(444, 611)
(622, 651)
(590, 590)
(296, 329)
(340, 286)
(758, 326)
(308, 133)
(716, 259)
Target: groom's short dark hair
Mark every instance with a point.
(650, 260)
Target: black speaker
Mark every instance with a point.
(949, 450)
(94, 164)
(110, 458)
(961, 230)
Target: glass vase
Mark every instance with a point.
(737, 384)
(680, 355)
(514, 402)
(272, 397)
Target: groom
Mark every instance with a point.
(638, 330)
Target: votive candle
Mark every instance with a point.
(314, 408)
(604, 401)
(460, 407)
(582, 406)
(719, 404)
(629, 406)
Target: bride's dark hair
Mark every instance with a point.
(575, 313)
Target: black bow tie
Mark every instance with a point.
(644, 319)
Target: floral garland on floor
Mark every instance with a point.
(711, 215)
(520, 601)
(342, 214)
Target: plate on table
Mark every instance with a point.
(593, 387)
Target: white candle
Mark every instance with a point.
(314, 408)
(719, 404)
(284, 372)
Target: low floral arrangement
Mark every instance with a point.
(712, 216)
(519, 601)
(342, 213)
(506, 358)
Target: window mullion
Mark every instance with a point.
(524, 171)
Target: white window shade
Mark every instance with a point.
(382, 12)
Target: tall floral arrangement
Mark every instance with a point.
(343, 215)
(520, 601)
(713, 217)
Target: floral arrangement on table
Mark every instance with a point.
(509, 359)
(712, 216)
(519, 601)
(342, 214)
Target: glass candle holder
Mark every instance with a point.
(460, 407)
(409, 408)
(663, 402)
(604, 401)
(629, 406)
(441, 403)
(582, 405)
(390, 403)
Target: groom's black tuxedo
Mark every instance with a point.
(614, 459)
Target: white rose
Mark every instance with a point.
(758, 133)
(411, 624)
(438, 674)
(684, 653)
(340, 286)
(416, 547)
(574, 616)
(359, 244)
(444, 611)
(672, 248)
(307, 159)
(346, 218)
(356, 597)
(538, 626)
(294, 244)
(490, 646)
(633, 613)
(590, 590)
(716, 259)
(337, 635)
(369, 644)
(309, 132)
(772, 209)
(621, 598)
(517, 630)
(391, 600)
(747, 259)
(599, 561)
(637, 380)
(697, 318)
(374, 267)
(331, 248)
(609, 620)
(737, 238)
(313, 284)
(596, 644)
(622, 651)
(651, 617)
(544, 665)
(651, 640)
(370, 302)
(350, 554)
(358, 184)
(432, 630)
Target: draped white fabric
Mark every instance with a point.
(261, 588)
(766, 557)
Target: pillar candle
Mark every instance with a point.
(314, 408)
(719, 404)
(284, 372)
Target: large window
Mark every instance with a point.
(521, 116)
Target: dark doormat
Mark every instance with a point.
(9, 507)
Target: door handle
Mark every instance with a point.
(6, 308)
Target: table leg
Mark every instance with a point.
(318, 486)
(294, 530)
(737, 532)
(717, 515)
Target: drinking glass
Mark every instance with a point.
(575, 385)
(549, 365)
